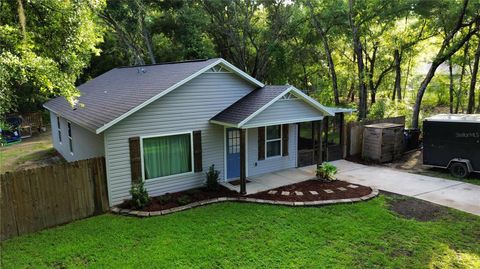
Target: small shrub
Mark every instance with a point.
(212, 178)
(183, 200)
(326, 171)
(139, 194)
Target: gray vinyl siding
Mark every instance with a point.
(187, 108)
(257, 167)
(288, 111)
(86, 144)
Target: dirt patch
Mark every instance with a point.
(171, 200)
(412, 208)
(314, 185)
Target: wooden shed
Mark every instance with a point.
(382, 142)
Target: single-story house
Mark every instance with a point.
(167, 123)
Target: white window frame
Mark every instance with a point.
(69, 135)
(273, 140)
(192, 162)
(59, 130)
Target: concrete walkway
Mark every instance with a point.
(450, 193)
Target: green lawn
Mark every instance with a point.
(232, 235)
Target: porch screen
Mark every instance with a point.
(167, 155)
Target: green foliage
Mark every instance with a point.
(212, 178)
(184, 200)
(139, 194)
(386, 108)
(326, 171)
(4, 126)
(46, 59)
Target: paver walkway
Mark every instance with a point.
(451, 193)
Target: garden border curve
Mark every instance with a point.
(138, 213)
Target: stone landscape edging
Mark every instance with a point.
(138, 213)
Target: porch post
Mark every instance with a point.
(326, 130)
(320, 142)
(243, 177)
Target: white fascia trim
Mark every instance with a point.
(68, 119)
(312, 102)
(265, 106)
(224, 123)
(178, 84)
(262, 124)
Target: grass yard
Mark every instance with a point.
(30, 153)
(232, 235)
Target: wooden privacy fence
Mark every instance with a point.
(34, 199)
(355, 133)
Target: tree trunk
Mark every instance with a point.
(462, 75)
(473, 81)
(398, 76)
(331, 68)
(371, 71)
(357, 48)
(328, 53)
(442, 55)
(450, 72)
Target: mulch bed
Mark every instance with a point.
(314, 185)
(172, 200)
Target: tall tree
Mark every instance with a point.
(44, 47)
(330, 14)
(446, 51)
(248, 32)
(358, 50)
(474, 78)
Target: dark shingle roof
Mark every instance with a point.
(120, 90)
(249, 104)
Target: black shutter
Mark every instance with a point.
(261, 143)
(135, 159)
(197, 151)
(285, 140)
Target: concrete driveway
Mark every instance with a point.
(451, 193)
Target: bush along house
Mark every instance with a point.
(165, 124)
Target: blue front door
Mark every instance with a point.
(233, 153)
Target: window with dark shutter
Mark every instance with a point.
(197, 150)
(285, 140)
(261, 143)
(135, 159)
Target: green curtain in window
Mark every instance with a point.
(167, 155)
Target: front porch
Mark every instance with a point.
(275, 179)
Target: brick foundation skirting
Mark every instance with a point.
(138, 213)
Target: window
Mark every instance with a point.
(70, 141)
(59, 130)
(274, 141)
(167, 155)
(233, 141)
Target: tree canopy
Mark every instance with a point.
(383, 57)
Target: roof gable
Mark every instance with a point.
(120, 92)
(247, 108)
